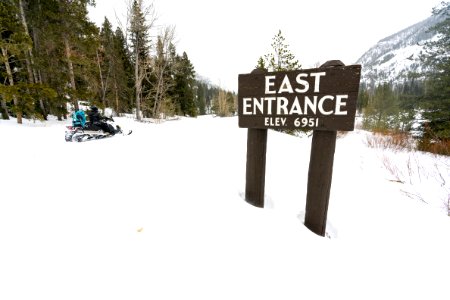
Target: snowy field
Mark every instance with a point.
(159, 215)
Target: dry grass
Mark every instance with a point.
(441, 147)
(390, 140)
(341, 134)
(448, 205)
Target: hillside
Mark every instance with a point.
(393, 57)
(159, 215)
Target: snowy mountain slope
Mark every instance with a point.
(393, 57)
(159, 215)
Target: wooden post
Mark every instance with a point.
(319, 180)
(320, 174)
(256, 166)
(255, 176)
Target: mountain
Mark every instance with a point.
(393, 57)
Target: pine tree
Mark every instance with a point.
(200, 97)
(382, 111)
(140, 43)
(281, 58)
(261, 64)
(8, 22)
(16, 45)
(363, 99)
(123, 82)
(183, 91)
(436, 59)
(77, 34)
(49, 64)
(105, 60)
(13, 43)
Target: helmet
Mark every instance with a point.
(94, 108)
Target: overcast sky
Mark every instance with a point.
(226, 38)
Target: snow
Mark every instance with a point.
(394, 57)
(159, 214)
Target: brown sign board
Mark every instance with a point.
(319, 99)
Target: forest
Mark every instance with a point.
(53, 58)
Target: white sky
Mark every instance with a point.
(226, 38)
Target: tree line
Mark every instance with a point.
(420, 104)
(52, 57)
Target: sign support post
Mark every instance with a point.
(256, 166)
(320, 174)
(255, 176)
(319, 180)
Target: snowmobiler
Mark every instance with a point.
(98, 126)
(98, 122)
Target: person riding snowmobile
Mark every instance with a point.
(96, 128)
(97, 122)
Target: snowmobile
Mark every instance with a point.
(89, 132)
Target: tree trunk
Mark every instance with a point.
(38, 78)
(11, 83)
(116, 92)
(157, 99)
(138, 86)
(4, 110)
(71, 72)
(30, 54)
(103, 84)
(32, 75)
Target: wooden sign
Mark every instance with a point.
(322, 99)
(319, 99)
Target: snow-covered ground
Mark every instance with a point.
(159, 214)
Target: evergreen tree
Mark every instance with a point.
(122, 70)
(16, 46)
(232, 103)
(105, 61)
(78, 36)
(29, 60)
(115, 69)
(200, 98)
(49, 65)
(13, 43)
(363, 99)
(8, 23)
(281, 58)
(436, 59)
(183, 90)
(382, 111)
(140, 44)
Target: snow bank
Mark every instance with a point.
(159, 215)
